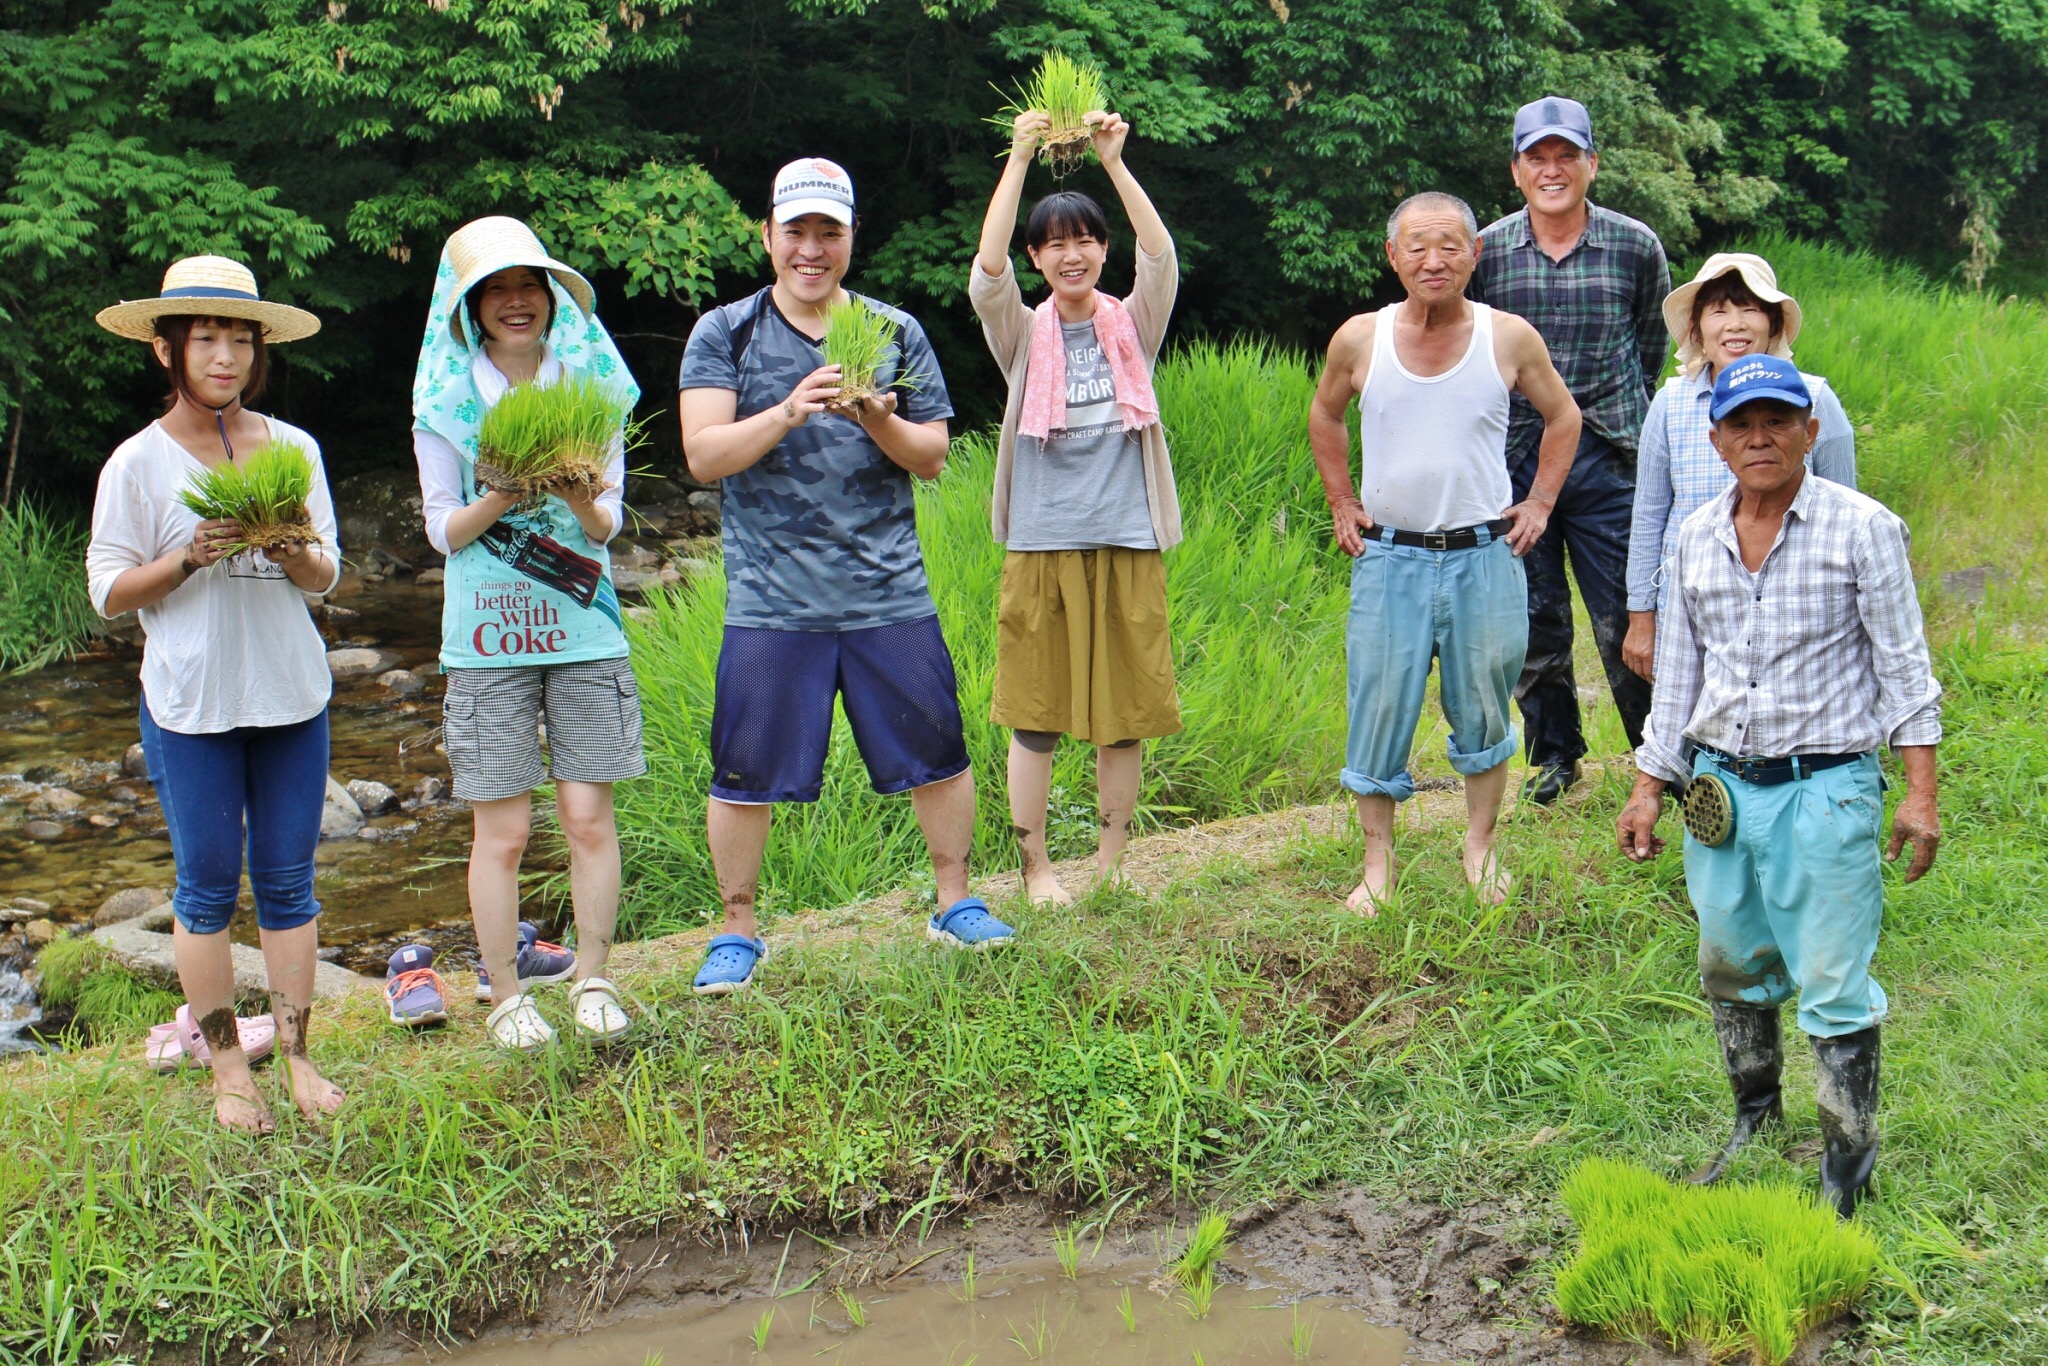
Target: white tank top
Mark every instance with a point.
(1433, 448)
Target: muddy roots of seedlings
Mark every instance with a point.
(264, 493)
(556, 438)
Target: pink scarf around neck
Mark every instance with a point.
(1045, 377)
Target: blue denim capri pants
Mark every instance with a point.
(1793, 898)
(1468, 610)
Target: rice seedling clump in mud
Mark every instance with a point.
(1066, 92)
(545, 438)
(264, 493)
(858, 340)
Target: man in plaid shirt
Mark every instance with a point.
(1593, 282)
(1790, 652)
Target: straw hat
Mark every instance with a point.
(1755, 271)
(488, 245)
(208, 286)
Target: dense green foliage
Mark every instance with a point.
(44, 610)
(333, 145)
(1733, 1269)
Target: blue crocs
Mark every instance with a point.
(729, 965)
(967, 924)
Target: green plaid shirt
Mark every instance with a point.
(1600, 310)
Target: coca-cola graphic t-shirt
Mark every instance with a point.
(533, 589)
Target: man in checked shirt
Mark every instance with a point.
(1793, 653)
(1593, 282)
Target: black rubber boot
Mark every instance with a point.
(1547, 785)
(1753, 1051)
(1848, 1068)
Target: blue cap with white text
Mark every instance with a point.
(1756, 377)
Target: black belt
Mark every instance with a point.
(1457, 538)
(1771, 772)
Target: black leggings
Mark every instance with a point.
(1042, 741)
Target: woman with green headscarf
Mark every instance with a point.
(530, 621)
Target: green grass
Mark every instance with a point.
(44, 610)
(1728, 1268)
(264, 492)
(538, 437)
(1232, 1037)
(1065, 91)
(106, 1001)
(1257, 596)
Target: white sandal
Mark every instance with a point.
(600, 1017)
(517, 1024)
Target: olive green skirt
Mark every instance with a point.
(1082, 646)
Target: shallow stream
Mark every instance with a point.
(1026, 1313)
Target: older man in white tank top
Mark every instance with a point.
(1435, 544)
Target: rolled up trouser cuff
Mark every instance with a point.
(1486, 760)
(1400, 787)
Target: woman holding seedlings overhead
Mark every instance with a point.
(1084, 497)
(234, 673)
(530, 622)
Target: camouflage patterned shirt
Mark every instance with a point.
(820, 534)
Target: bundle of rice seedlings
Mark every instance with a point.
(858, 341)
(1735, 1269)
(1064, 90)
(264, 492)
(539, 439)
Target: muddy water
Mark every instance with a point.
(1029, 1313)
(67, 726)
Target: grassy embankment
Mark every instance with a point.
(44, 611)
(1235, 1034)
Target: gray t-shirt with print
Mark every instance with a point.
(820, 534)
(1084, 488)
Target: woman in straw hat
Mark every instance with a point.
(531, 622)
(1732, 308)
(234, 675)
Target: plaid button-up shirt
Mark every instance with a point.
(1600, 310)
(1818, 652)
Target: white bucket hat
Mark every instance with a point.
(208, 286)
(1762, 281)
(486, 246)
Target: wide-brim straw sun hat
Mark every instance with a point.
(482, 248)
(208, 287)
(1755, 271)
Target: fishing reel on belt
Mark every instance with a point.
(1709, 813)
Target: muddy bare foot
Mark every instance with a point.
(1490, 882)
(1368, 896)
(312, 1093)
(1044, 889)
(242, 1111)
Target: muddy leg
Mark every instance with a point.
(1030, 789)
(1118, 769)
(291, 955)
(1376, 820)
(1483, 870)
(738, 836)
(206, 971)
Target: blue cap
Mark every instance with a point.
(1757, 377)
(1553, 116)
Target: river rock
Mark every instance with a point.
(428, 578)
(14, 915)
(340, 817)
(55, 801)
(355, 662)
(632, 580)
(128, 903)
(703, 500)
(43, 830)
(100, 820)
(381, 510)
(372, 798)
(39, 934)
(135, 763)
(143, 947)
(427, 791)
(401, 682)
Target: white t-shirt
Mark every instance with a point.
(234, 644)
(1434, 447)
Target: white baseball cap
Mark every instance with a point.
(813, 185)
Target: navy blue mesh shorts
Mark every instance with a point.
(771, 721)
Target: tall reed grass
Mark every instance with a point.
(1257, 593)
(44, 610)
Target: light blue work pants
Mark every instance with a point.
(1793, 899)
(1466, 609)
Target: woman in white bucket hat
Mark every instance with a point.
(1730, 309)
(531, 623)
(234, 674)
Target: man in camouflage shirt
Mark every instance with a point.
(1593, 282)
(825, 584)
